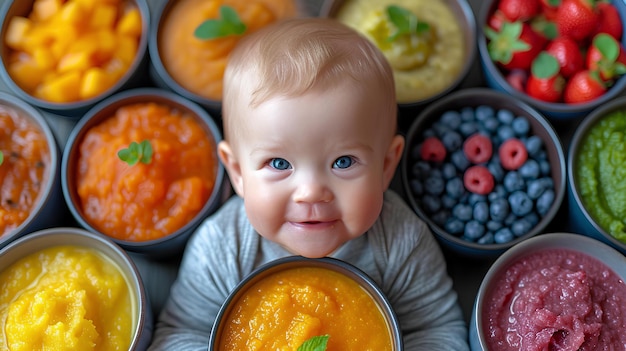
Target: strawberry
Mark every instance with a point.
(517, 78)
(549, 7)
(609, 20)
(568, 55)
(545, 82)
(496, 19)
(583, 86)
(606, 55)
(577, 19)
(519, 10)
(515, 46)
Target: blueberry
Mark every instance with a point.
(520, 126)
(497, 192)
(431, 203)
(462, 212)
(544, 166)
(544, 202)
(473, 230)
(417, 187)
(448, 201)
(455, 188)
(448, 171)
(483, 112)
(451, 118)
(505, 132)
(440, 128)
(435, 172)
(493, 226)
(499, 209)
(468, 128)
(467, 114)
(510, 218)
(434, 185)
(475, 198)
(503, 235)
(521, 204)
(452, 140)
(459, 160)
(532, 218)
(521, 226)
(481, 211)
(490, 124)
(420, 169)
(454, 226)
(513, 181)
(486, 239)
(533, 145)
(505, 116)
(495, 168)
(530, 169)
(427, 133)
(537, 187)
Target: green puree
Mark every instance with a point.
(601, 173)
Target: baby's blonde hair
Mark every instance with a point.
(294, 56)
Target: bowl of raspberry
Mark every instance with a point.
(564, 58)
(484, 170)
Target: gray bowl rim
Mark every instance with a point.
(581, 131)
(492, 95)
(548, 241)
(76, 236)
(550, 107)
(38, 118)
(143, 93)
(328, 7)
(143, 7)
(334, 264)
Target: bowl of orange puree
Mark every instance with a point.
(141, 167)
(192, 65)
(66, 288)
(30, 163)
(295, 300)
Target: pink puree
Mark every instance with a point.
(556, 300)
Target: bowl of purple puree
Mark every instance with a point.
(557, 292)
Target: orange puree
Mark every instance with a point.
(145, 201)
(286, 308)
(65, 298)
(24, 168)
(198, 65)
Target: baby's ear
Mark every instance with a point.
(392, 158)
(232, 165)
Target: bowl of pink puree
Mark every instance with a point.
(557, 291)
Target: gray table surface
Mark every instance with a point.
(158, 275)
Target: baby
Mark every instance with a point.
(310, 147)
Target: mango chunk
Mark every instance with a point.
(130, 23)
(26, 74)
(62, 88)
(16, 32)
(45, 9)
(103, 16)
(95, 82)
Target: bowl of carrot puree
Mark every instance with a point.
(141, 167)
(71, 288)
(295, 300)
(193, 65)
(65, 56)
(30, 194)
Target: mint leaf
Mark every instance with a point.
(405, 22)
(135, 152)
(227, 24)
(1, 157)
(316, 343)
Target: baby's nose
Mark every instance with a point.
(312, 192)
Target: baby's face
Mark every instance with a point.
(313, 167)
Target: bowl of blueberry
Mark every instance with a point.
(484, 170)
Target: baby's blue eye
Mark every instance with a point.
(280, 164)
(343, 162)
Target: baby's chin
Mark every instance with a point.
(317, 251)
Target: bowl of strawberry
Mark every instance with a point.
(484, 170)
(563, 57)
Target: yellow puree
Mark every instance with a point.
(65, 298)
(289, 307)
(423, 65)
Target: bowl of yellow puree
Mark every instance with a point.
(321, 303)
(71, 288)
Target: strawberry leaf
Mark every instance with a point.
(607, 45)
(316, 343)
(503, 44)
(545, 65)
(227, 24)
(1, 157)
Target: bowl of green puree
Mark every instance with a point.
(597, 175)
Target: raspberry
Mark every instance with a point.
(433, 150)
(512, 154)
(478, 180)
(478, 148)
